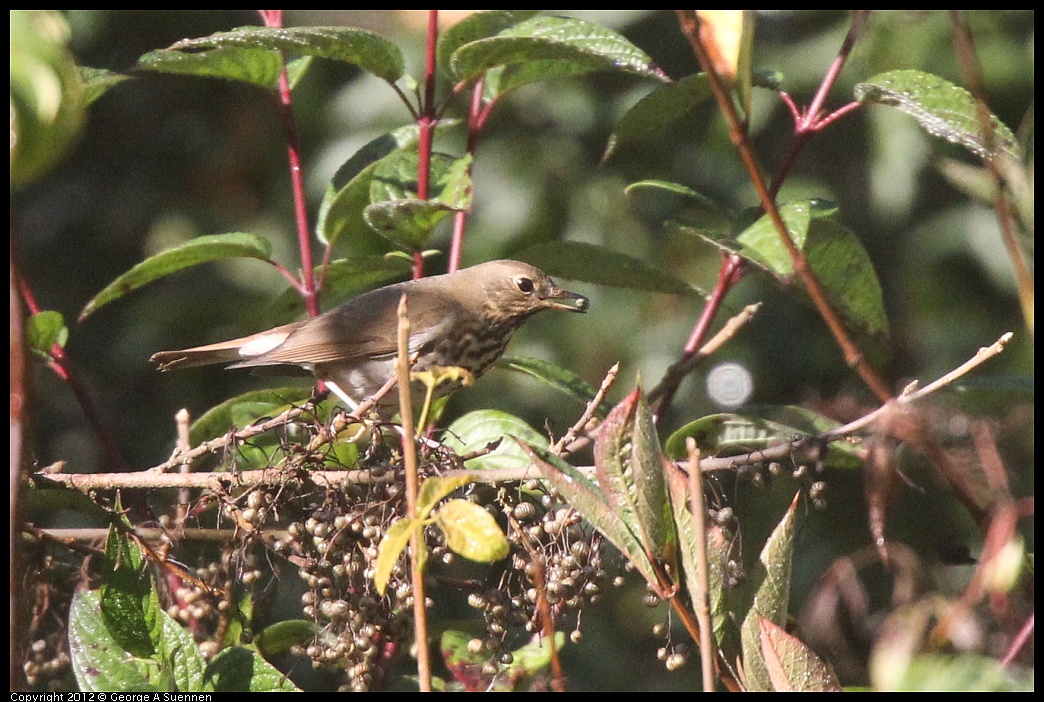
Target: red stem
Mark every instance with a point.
(62, 366)
(307, 287)
(808, 121)
(729, 274)
(476, 117)
(426, 121)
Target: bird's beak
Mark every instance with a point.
(565, 300)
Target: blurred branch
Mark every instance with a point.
(969, 63)
(17, 410)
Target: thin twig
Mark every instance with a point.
(229, 439)
(907, 396)
(184, 445)
(702, 603)
(729, 273)
(543, 605)
(409, 458)
(675, 374)
(582, 424)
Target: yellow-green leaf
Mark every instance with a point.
(471, 531)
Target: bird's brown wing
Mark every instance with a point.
(365, 327)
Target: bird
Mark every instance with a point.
(462, 319)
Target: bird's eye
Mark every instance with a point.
(525, 285)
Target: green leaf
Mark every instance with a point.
(481, 25)
(120, 637)
(662, 106)
(435, 489)
(344, 279)
(769, 581)
(98, 81)
(340, 213)
(595, 264)
(363, 48)
(395, 541)
(937, 672)
(395, 178)
(218, 420)
(942, 109)
(472, 532)
(406, 223)
(561, 379)
(835, 256)
(612, 455)
(760, 243)
(587, 499)
(648, 469)
(549, 47)
(717, 555)
(482, 428)
(466, 665)
(843, 268)
(99, 663)
(535, 655)
(698, 211)
(279, 638)
(760, 427)
(397, 214)
(744, 72)
(180, 653)
(47, 102)
(128, 600)
(631, 472)
(792, 665)
(202, 249)
(244, 670)
(45, 329)
(258, 67)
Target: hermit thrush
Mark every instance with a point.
(462, 319)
